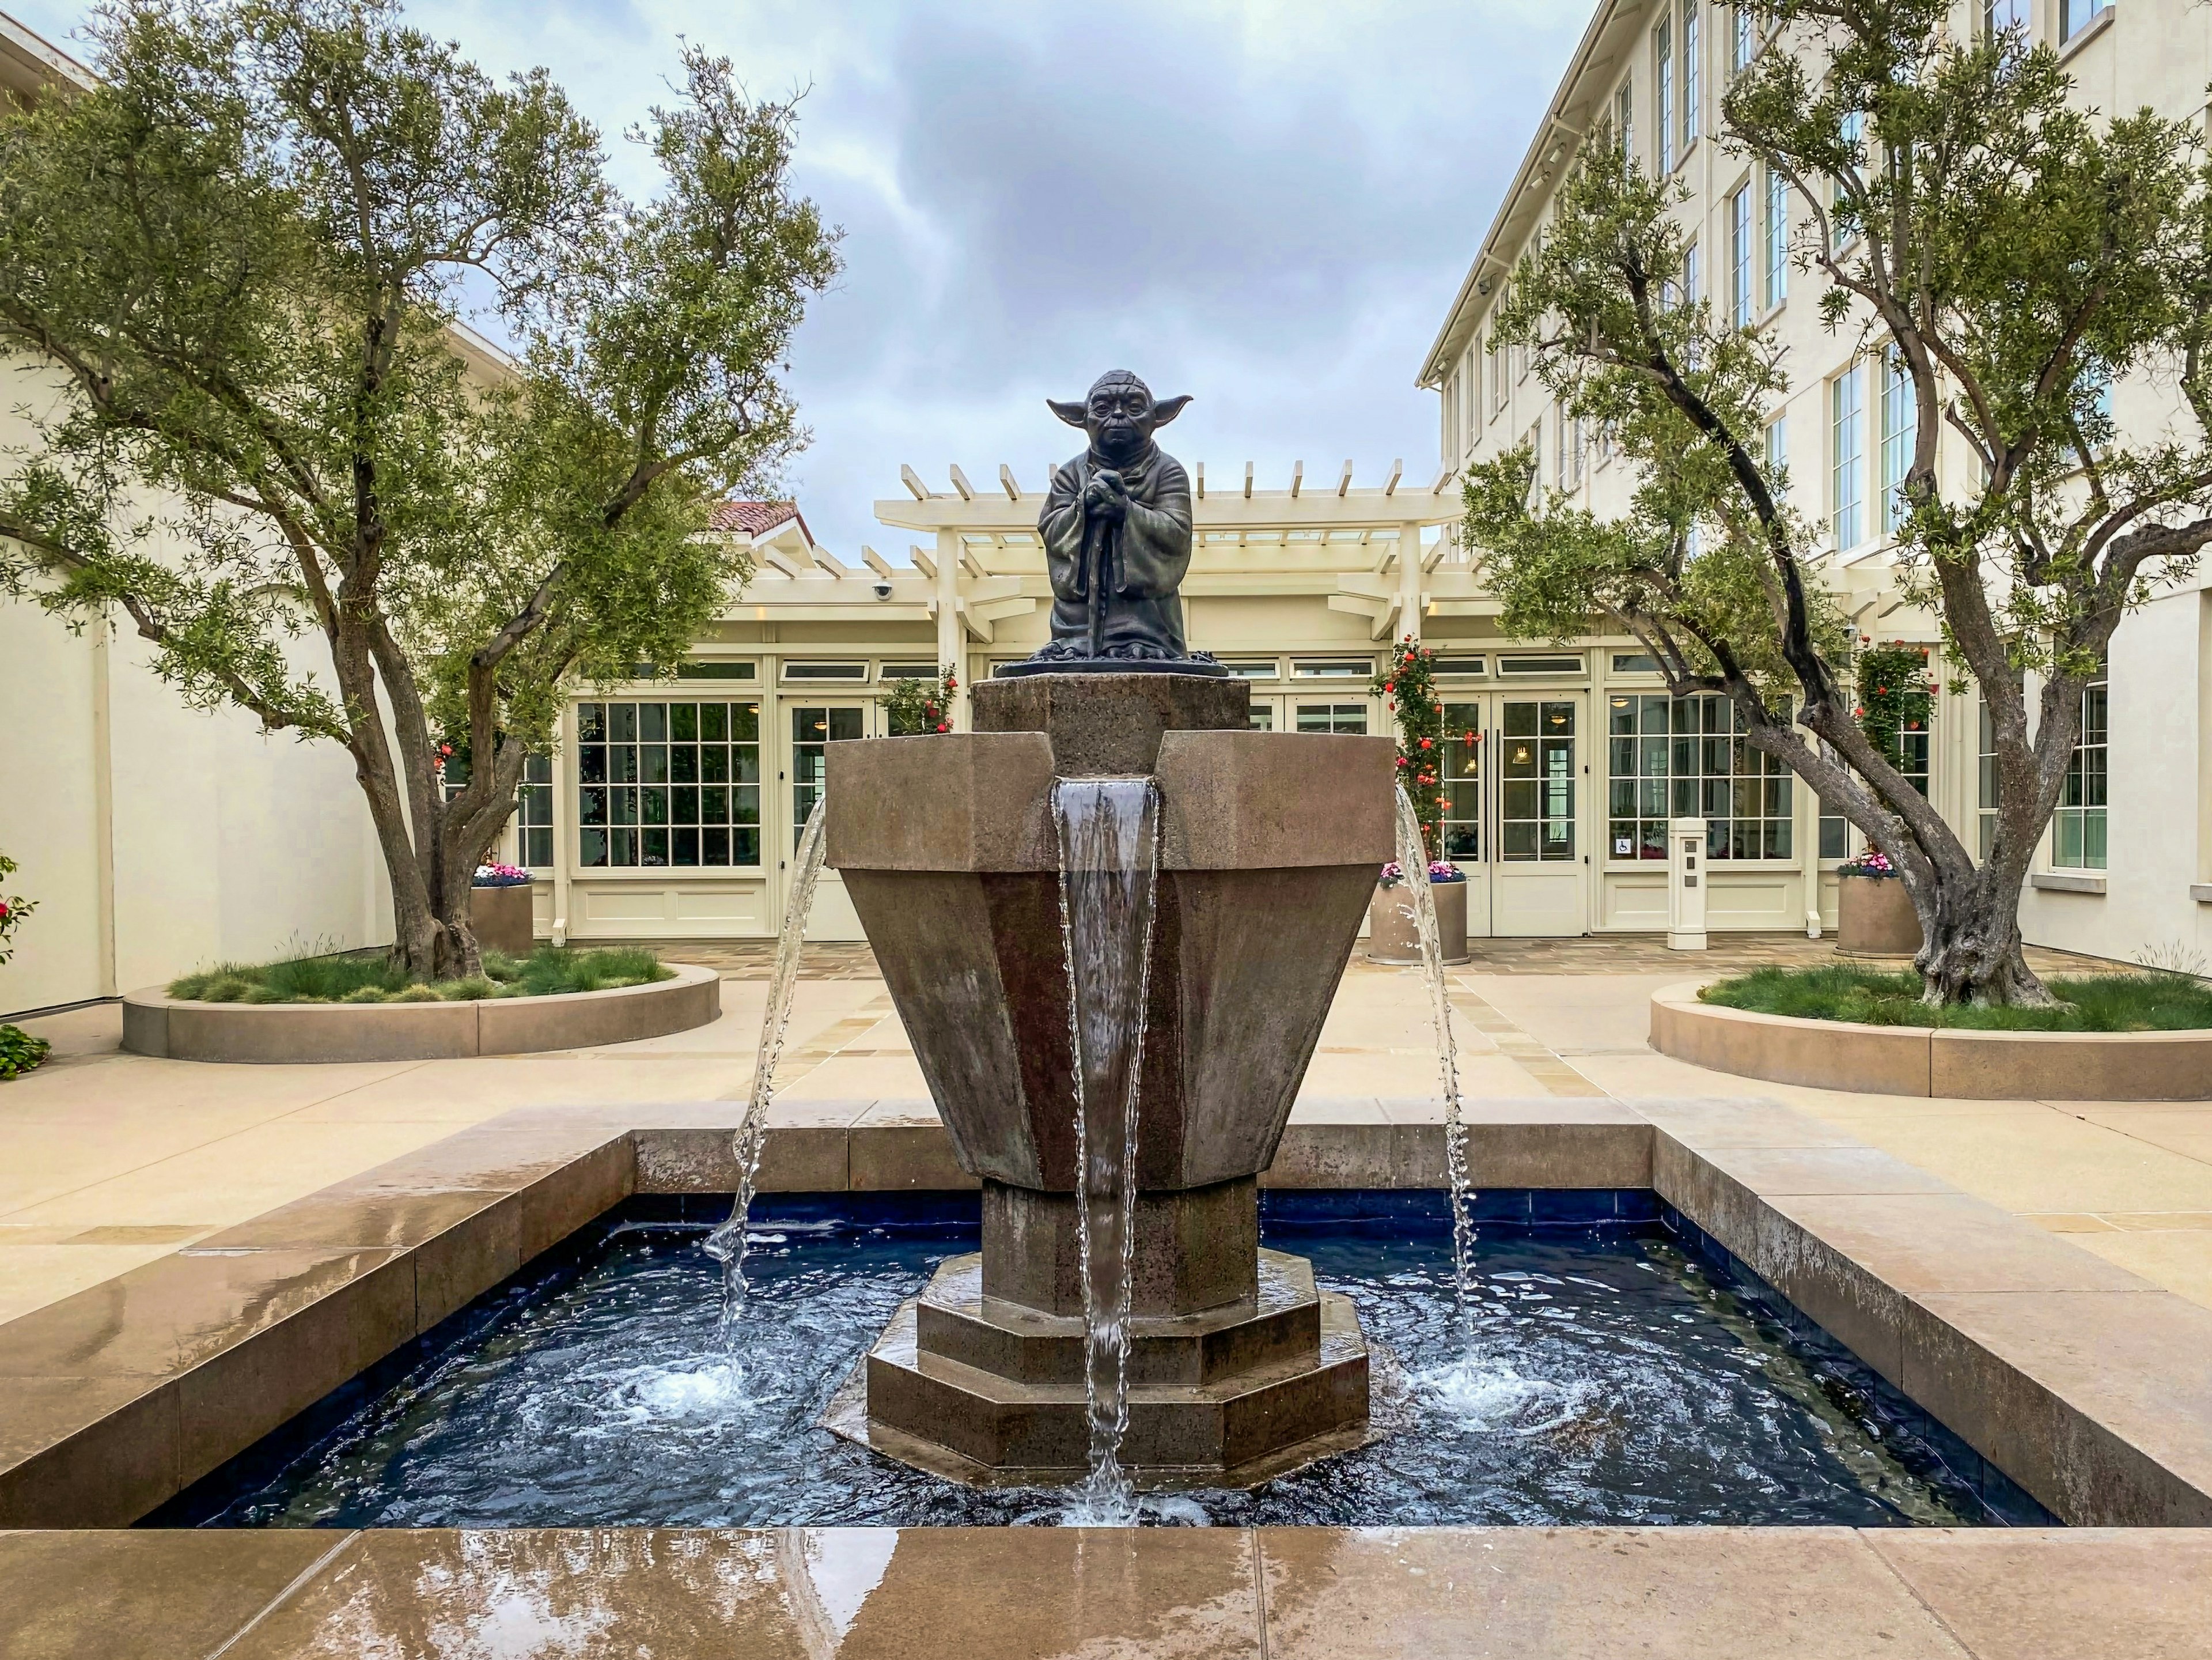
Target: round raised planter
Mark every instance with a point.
(154, 1023)
(1393, 936)
(1875, 917)
(505, 918)
(1954, 1065)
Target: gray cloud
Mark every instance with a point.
(1266, 204)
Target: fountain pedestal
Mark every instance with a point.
(1238, 1368)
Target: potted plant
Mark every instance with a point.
(503, 909)
(1394, 933)
(1874, 913)
(1408, 689)
(18, 1050)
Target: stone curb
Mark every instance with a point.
(178, 1030)
(1965, 1065)
(2081, 1382)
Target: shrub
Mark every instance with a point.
(19, 1052)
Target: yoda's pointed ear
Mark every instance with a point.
(1167, 409)
(1073, 413)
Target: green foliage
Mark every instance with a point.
(1895, 696)
(370, 977)
(246, 253)
(1407, 686)
(2017, 253)
(915, 707)
(14, 908)
(2103, 1002)
(1691, 567)
(19, 1052)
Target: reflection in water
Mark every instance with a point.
(1636, 1391)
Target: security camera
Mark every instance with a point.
(883, 590)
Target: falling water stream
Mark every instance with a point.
(1108, 874)
(727, 1242)
(1414, 860)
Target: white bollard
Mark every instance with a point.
(1685, 885)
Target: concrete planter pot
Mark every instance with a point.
(505, 919)
(1875, 917)
(1392, 936)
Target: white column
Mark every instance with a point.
(952, 635)
(565, 838)
(1409, 582)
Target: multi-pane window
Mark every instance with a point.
(1333, 717)
(1569, 470)
(1690, 113)
(1998, 15)
(2074, 16)
(533, 805)
(1624, 118)
(1536, 781)
(1693, 273)
(667, 784)
(1740, 256)
(1451, 415)
(1687, 757)
(1778, 449)
(533, 813)
(1777, 260)
(1461, 780)
(1845, 219)
(1662, 80)
(1743, 38)
(2077, 829)
(1847, 457)
(812, 731)
(1900, 435)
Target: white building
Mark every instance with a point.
(2128, 865)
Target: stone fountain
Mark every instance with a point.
(1236, 1367)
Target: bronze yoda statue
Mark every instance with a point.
(1116, 530)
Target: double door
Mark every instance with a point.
(1514, 781)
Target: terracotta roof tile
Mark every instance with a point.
(756, 518)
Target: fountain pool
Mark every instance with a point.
(1618, 1374)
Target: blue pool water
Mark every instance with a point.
(1617, 1375)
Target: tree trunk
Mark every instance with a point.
(1970, 950)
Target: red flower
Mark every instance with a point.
(941, 726)
(1425, 744)
(951, 683)
(1403, 762)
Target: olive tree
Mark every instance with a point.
(248, 251)
(2009, 253)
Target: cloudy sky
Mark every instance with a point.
(1266, 204)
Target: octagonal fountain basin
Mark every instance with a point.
(1613, 1366)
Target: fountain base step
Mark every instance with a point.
(990, 1392)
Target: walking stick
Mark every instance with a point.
(1094, 565)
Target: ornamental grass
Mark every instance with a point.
(2154, 1001)
(368, 977)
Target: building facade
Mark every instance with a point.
(2127, 867)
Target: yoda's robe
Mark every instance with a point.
(1144, 558)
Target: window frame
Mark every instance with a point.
(1689, 791)
(2088, 772)
(1742, 305)
(608, 821)
(1847, 470)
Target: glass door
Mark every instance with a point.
(814, 728)
(1540, 884)
(1462, 780)
(1512, 779)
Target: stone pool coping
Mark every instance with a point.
(1955, 1065)
(2083, 1383)
(1016, 1593)
(181, 1029)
